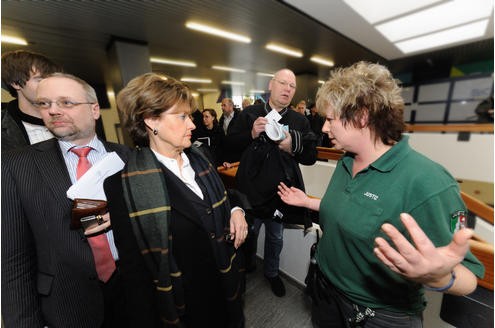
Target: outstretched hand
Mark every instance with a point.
(292, 195)
(421, 262)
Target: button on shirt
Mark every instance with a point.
(96, 154)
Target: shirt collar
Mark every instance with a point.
(95, 144)
(387, 161)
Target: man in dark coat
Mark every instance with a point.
(265, 163)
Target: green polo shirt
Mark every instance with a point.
(353, 210)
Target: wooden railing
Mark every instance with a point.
(449, 128)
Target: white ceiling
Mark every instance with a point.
(337, 15)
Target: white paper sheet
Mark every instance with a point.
(90, 185)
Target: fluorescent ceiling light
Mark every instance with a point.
(166, 61)
(195, 80)
(321, 82)
(218, 32)
(207, 90)
(256, 91)
(284, 50)
(195, 94)
(453, 35)
(229, 69)
(379, 10)
(13, 40)
(233, 82)
(441, 17)
(322, 61)
(265, 74)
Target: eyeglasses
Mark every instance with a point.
(285, 83)
(61, 103)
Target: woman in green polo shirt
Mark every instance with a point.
(362, 281)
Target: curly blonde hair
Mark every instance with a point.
(365, 90)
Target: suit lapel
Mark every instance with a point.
(51, 166)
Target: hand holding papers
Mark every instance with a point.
(273, 129)
(90, 185)
(88, 194)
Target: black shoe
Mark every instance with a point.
(277, 285)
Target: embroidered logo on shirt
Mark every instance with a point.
(371, 195)
(458, 220)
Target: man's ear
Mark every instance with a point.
(96, 111)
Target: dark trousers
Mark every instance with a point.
(331, 309)
(114, 301)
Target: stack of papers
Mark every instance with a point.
(273, 129)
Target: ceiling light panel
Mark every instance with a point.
(229, 69)
(265, 74)
(284, 50)
(379, 10)
(256, 91)
(450, 36)
(233, 82)
(217, 32)
(450, 14)
(195, 80)
(174, 62)
(322, 61)
(14, 40)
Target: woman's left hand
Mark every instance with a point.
(238, 227)
(421, 262)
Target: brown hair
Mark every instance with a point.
(365, 89)
(18, 65)
(146, 96)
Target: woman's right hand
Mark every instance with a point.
(292, 195)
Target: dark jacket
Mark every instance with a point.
(263, 165)
(231, 153)
(14, 134)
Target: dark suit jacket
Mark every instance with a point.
(191, 249)
(230, 151)
(48, 271)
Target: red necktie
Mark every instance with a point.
(104, 262)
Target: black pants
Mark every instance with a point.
(331, 309)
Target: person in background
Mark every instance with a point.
(265, 163)
(484, 111)
(229, 115)
(301, 107)
(174, 227)
(246, 102)
(50, 277)
(362, 281)
(21, 120)
(213, 135)
(230, 152)
(316, 122)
